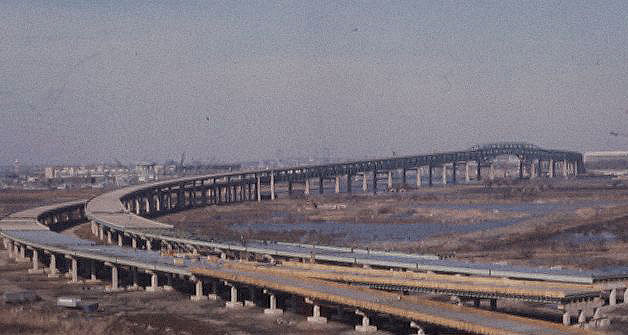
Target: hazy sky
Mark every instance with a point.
(93, 82)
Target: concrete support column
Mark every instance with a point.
(418, 177)
(404, 177)
(337, 184)
(467, 173)
(419, 329)
(92, 271)
(365, 327)
(321, 185)
(272, 185)
(520, 168)
(626, 296)
(551, 168)
(316, 312)
(612, 298)
(532, 169)
(258, 188)
(73, 269)
(94, 228)
(349, 182)
(389, 182)
(198, 291)
(307, 186)
(52, 267)
(566, 319)
(453, 173)
(272, 309)
(582, 317)
(213, 295)
(365, 185)
(430, 172)
(134, 242)
(120, 239)
(492, 171)
(444, 174)
(539, 166)
(374, 181)
(478, 171)
(233, 302)
(35, 259)
(109, 238)
(101, 232)
(115, 284)
(251, 301)
(114, 277)
(154, 282)
(134, 279)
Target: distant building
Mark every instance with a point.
(146, 172)
(50, 172)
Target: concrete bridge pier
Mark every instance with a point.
(258, 187)
(133, 279)
(316, 312)
(430, 170)
(389, 182)
(133, 242)
(349, 183)
(272, 306)
(366, 326)
(467, 173)
(419, 329)
(444, 174)
(35, 259)
(478, 171)
(114, 287)
(418, 177)
(612, 297)
(552, 168)
(453, 173)
(374, 181)
(365, 185)
(213, 295)
(154, 282)
(73, 269)
(233, 302)
(120, 239)
(272, 185)
(198, 290)
(307, 186)
(252, 296)
(109, 237)
(92, 272)
(52, 266)
(321, 185)
(101, 232)
(337, 186)
(566, 318)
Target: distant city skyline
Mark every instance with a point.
(244, 81)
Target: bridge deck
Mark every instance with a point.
(494, 287)
(423, 310)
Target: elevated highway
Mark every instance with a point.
(81, 257)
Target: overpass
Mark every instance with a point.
(59, 255)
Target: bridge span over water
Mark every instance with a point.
(123, 219)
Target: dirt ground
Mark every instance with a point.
(137, 312)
